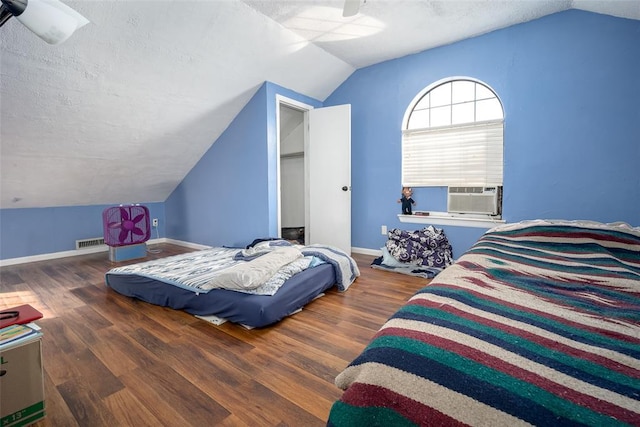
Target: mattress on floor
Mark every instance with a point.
(247, 309)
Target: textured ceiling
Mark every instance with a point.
(124, 109)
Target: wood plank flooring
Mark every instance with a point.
(110, 360)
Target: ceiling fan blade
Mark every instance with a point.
(351, 7)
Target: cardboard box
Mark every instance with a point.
(21, 383)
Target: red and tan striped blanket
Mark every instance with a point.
(537, 324)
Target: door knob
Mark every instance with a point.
(345, 188)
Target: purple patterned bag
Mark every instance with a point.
(428, 247)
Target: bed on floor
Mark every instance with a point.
(256, 286)
(537, 324)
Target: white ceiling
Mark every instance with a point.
(123, 109)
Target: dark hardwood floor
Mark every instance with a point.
(110, 360)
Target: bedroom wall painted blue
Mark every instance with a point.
(37, 231)
(224, 197)
(229, 198)
(569, 86)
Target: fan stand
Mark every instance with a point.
(126, 253)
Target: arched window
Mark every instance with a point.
(452, 136)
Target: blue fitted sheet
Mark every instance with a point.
(250, 310)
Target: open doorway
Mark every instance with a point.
(292, 177)
(314, 173)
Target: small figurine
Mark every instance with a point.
(406, 200)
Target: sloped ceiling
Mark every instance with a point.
(121, 111)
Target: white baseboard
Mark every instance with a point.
(186, 244)
(54, 255)
(105, 248)
(365, 251)
(86, 251)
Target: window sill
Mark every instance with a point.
(460, 220)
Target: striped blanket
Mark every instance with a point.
(345, 267)
(537, 324)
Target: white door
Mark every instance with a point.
(328, 165)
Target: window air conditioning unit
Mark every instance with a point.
(475, 200)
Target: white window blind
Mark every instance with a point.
(468, 155)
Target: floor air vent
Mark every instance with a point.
(89, 243)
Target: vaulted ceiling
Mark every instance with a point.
(123, 109)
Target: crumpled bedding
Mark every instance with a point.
(271, 286)
(246, 276)
(428, 247)
(345, 267)
(261, 247)
(217, 268)
(260, 269)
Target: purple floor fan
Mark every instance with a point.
(126, 230)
